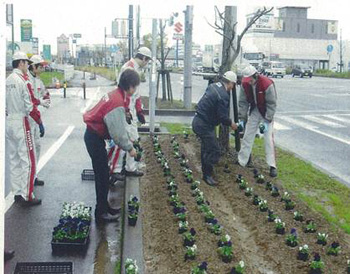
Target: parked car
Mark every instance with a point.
(274, 69)
(302, 70)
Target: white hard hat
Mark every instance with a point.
(230, 76)
(37, 59)
(249, 71)
(145, 52)
(20, 55)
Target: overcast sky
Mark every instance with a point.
(88, 17)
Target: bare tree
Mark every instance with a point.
(226, 28)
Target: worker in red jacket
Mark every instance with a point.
(107, 120)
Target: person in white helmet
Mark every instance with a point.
(212, 110)
(116, 154)
(42, 98)
(19, 106)
(258, 98)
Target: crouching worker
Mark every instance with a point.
(212, 110)
(107, 120)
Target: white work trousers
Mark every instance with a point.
(251, 129)
(34, 128)
(22, 157)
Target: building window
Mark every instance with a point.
(284, 26)
(298, 27)
(312, 28)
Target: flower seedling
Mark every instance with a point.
(238, 269)
(133, 204)
(239, 177)
(196, 192)
(191, 252)
(256, 173)
(260, 179)
(204, 208)
(289, 205)
(131, 266)
(243, 184)
(215, 227)
(263, 206)
(280, 226)
(310, 227)
(166, 170)
(271, 217)
(334, 249)
(275, 192)
(226, 169)
(209, 216)
(185, 133)
(183, 226)
(348, 264)
(303, 253)
(285, 197)
(226, 253)
(132, 218)
(200, 269)
(298, 216)
(248, 191)
(179, 207)
(322, 238)
(200, 199)
(225, 240)
(195, 185)
(268, 186)
(189, 237)
(184, 161)
(292, 238)
(189, 178)
(176, 155)
(256, 200)
(172, 185)
(181, 216)
(174, 199)
(317, 265)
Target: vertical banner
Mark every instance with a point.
(35, 45)
(47, 52)
(26, 30)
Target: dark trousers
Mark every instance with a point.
(96, 148)
(210, 150)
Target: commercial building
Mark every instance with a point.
(63, 52)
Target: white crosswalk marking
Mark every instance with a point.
(297, 122)
(338, 118)
(322, 121)
(279, 126)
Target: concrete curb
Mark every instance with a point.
(132, 240)
(173, 112)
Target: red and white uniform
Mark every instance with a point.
(116, 155)
(19, 106)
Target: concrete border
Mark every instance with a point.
(173, 112)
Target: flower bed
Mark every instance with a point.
(250, 226)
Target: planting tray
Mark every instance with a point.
(88, 175)
(63, 246)
(44, 268)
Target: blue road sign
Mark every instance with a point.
(114, 48)
(329, 48)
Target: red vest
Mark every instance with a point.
(262, 85)
(94, 118)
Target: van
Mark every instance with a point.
(274, 69)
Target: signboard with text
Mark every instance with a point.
(35, 45)
(26, 30)
(47, 52)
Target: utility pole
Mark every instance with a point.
(131, 31)
(162, 67)
(138, 27)
(10, 21)
(341, 52)
(188, 57)
(152, 79)
(105, 48)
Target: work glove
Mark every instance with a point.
(141, 117)
(42, 130)
(264, 127)
(45, 103)
(240, 125)
(111, 143)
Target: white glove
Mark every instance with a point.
(45, 103)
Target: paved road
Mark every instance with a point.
(312, 119)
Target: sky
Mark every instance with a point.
(89, 18)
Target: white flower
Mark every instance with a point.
(277, 220)
(182, 224)
(241, 264)
(348, 262)
(227, 237)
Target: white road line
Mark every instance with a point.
(43, 160)
(278, 126)
(322, 121)
(314, 129)
(90, 101)
(338, 118)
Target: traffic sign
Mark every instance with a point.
(178, 27)
(77, 35)
(177, 36)
(329, 48)
(114, 48)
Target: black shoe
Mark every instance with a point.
(38, 182)
(114, 211)
(106, 218)
(22, 202)
(135, 173)
(209, 180)
(115, 177)
(273, 171)
(8, 254)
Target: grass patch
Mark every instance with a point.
(47, 76)
(108, 73)
(322, 193)
(118, 267)
(177, 128)
(176, 104)
(329, 73)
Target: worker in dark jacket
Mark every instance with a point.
(107, 120)
(212, 110)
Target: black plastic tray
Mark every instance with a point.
(62, 246)
(44, 268)
(88, 175)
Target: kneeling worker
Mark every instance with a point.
(212, 110)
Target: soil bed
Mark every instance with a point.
(254, 238)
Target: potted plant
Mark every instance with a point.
(285, 197)
(322, 238)
(263, 206)
(200, 269)
(280, 226)
(303, 253)
(243, 184)
(271, 217)
(225, 240)
(289, 205)
(183, 226)
(226, 253)
(298, 216)
(268, 186)
(274, 191)
(133, 203)
(248, 191)
(334, 249)
(131, 266)
(310, 227)
(292, 238)
(215, 227)
(189, 237)
(238, 269)
(256, 200)
(191, 252)
(260, 179)
(132, 218)
(317, 265)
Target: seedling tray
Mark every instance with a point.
(44, 268)
(88, 175)
(64, 246)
